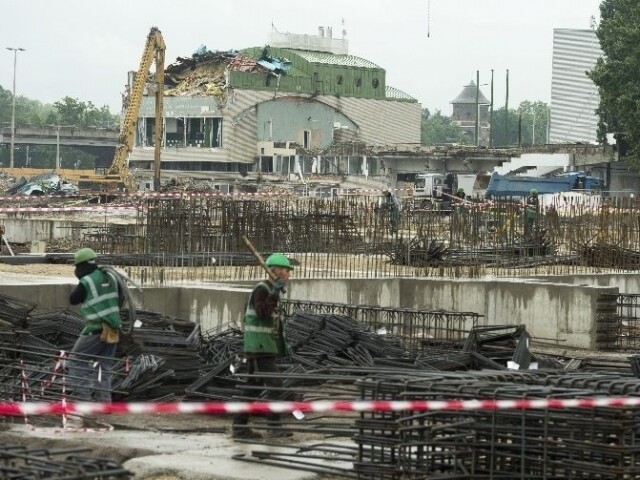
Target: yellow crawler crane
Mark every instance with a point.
(119, 176)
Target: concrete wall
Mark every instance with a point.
(211, 307)
(561, 313)
(23, 230)
(627, 283)
(53, 295)
(552, 312)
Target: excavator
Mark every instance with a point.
(119, 177)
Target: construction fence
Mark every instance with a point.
(198, 237)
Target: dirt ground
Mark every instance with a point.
(184, 425)
(45, 269)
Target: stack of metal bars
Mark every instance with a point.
(602, 443)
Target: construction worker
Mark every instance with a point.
(264, 344)
(531, 212)
(391, 204)
(91, 360)
(459, 201)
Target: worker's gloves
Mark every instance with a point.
(278, 286)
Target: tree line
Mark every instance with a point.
(67, 111)
(526, 125)
(617, 76)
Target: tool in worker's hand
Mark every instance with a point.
(258, 257)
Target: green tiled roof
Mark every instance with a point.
(391, 92)
(330, 59)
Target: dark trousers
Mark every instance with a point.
(90, 368)
(256, 366)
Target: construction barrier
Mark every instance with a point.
(258, 408)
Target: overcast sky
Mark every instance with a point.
(430, 49)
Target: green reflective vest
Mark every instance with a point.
(262, 335)
(532, 208)
(101, 303)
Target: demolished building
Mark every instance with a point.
(301, 105)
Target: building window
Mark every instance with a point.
(306, 139)
(375, 83)
(339, 79)
(358, 82)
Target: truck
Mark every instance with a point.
(435, 189)
(119, 176)
(501, 186)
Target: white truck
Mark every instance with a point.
(434, 190)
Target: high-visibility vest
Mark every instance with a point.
(262, 335)
(101, 303)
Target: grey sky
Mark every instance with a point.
(84, 48)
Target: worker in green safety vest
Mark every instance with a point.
(92, 357)
(264, 343)
(531, 212)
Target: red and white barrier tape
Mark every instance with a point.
(216, 408)
(169, 195)
(101, 209)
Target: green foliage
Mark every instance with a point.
(437, 129)
(521, 125)
(71, 111)
(68, 111)
(617, 74)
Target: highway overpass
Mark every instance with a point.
(96, 141)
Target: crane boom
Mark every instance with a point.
(153, 50)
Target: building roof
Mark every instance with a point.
(331, 59)
(468, 96)
(392, 92)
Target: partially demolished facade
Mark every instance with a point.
(281, 109)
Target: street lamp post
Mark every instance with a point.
(15, 51)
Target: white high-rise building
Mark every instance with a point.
(574, 97)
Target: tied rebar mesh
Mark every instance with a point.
(526, 444)
(197, 237)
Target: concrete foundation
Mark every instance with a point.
(24, 230)
(561, 310)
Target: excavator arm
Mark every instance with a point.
(154, 50)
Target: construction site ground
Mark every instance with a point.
(162, 447)
(150, 446)
(165, 446)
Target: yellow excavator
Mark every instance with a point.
(119, 177)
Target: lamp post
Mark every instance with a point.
(15, 51)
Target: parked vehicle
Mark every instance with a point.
(520, 186)
(435, 190)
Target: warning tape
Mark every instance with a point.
(102, 209)
(170, 195)
(87, 408)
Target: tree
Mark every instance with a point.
(521, 124)
(68, 111)
(437, 129)
(616, 74)
(71, 111)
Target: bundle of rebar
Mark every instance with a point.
(20, 462)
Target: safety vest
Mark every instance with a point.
(101, 303)
(532, 207)
(262, 335)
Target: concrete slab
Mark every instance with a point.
(197, 456)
